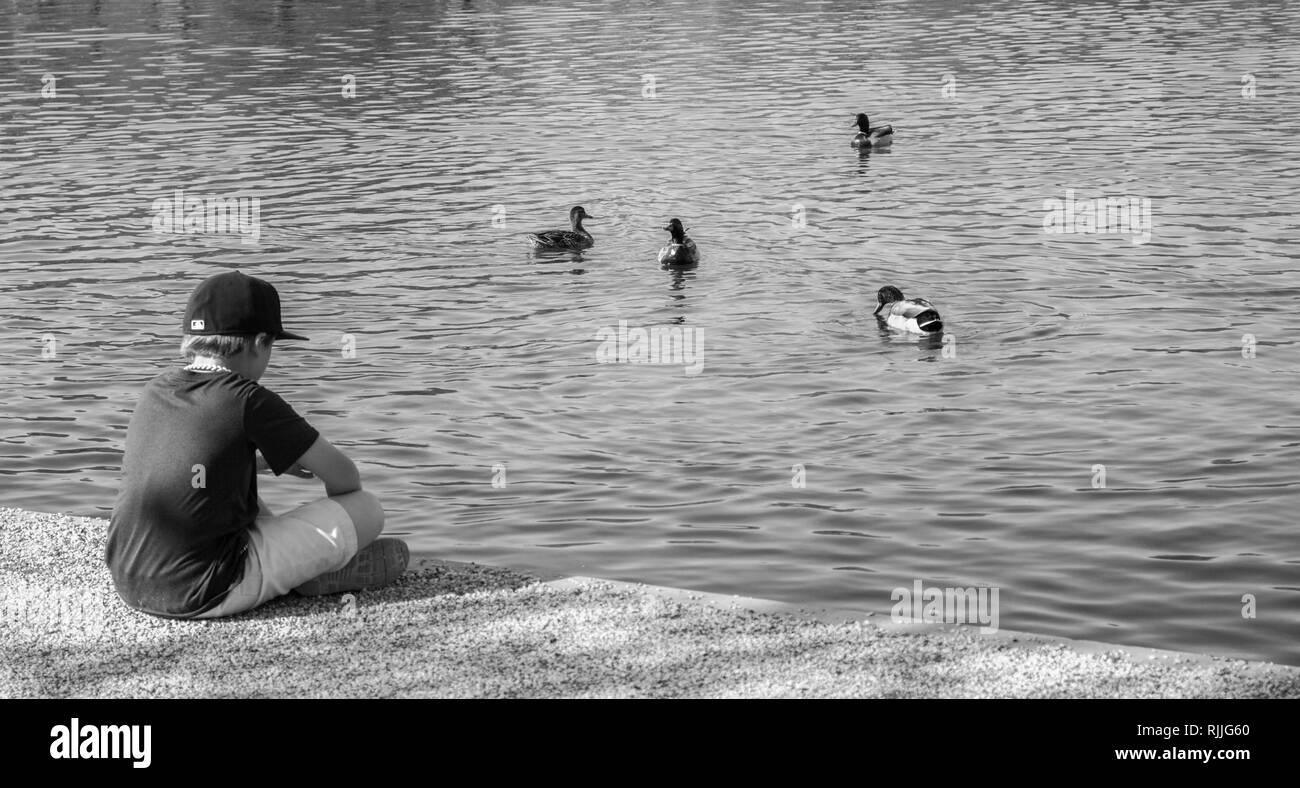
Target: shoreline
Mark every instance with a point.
(449, 629)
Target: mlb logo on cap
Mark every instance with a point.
(196, 325)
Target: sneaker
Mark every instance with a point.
(378, 564)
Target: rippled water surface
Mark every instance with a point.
(815, 457)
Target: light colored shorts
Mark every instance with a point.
(287, 550)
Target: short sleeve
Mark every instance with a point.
(276, 429)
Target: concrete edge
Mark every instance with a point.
(1008, 637)
(1013, 638)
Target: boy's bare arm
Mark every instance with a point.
(332, 467)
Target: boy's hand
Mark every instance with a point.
(293, 470)
(300, 472)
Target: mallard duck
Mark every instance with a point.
(577, 238)
(681, 250)
(907, 314)
(868, 137)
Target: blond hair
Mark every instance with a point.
(221, 346)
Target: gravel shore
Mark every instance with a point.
(464, 630)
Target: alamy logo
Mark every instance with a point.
(657, 345)
(920, 605)
(210, 215)
(102, 741)
(1103, 215)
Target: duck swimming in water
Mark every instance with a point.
(681, 250)
(907, 314)
(577, 238)
(868, 137)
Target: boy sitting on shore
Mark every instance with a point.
(189, 536)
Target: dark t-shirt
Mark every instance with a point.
(179, 532)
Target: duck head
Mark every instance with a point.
(862, 122)
(576, 214)
(675, 227)
(887, 294)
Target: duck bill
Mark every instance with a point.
(878, 308)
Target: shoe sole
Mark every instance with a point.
(378, 564)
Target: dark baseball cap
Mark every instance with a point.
(234, 304)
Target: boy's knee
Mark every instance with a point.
(366, 512)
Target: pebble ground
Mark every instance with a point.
(464, 630)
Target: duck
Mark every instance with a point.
(868, 137)
(681, 250)
(577, 238)
(907, 314)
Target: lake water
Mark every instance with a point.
(1107, 431)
